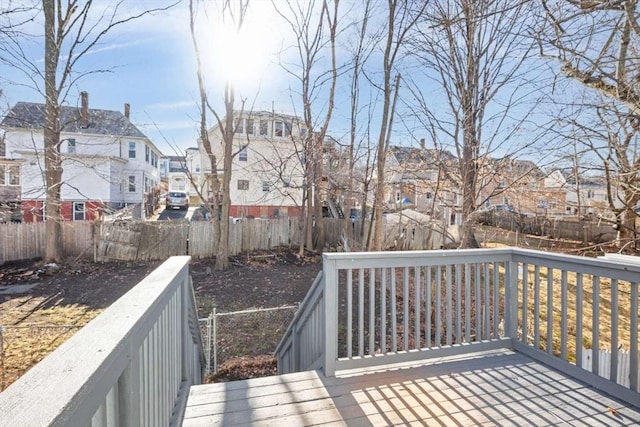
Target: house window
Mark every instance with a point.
(78, 211)
(286, 181)
(9, 175)
(146, 153)
(14, 175)
(249, 127)
(428, 196)
(71, 146)
(502, 183)
(132, 184)
(589, 194)
(266, 186)
(239, 125)
(264, 127)
(282, 128)
(243, 184)
(132, 150)
(242, 154)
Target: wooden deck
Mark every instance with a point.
(496, 388)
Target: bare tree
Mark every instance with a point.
(473, 50)
(402, 16)
(233, 15)
(71, 30)
(315, 37)
(597, 44)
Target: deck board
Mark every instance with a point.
(496, 388)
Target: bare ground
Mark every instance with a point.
(66, 297)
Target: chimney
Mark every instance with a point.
(127, 110)
(84, 109)
(422, 143)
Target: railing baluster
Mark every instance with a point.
(486, 307)
(564, 302)
(427, 308)
(458, 268)
(360, 312)
(478, 297)
(438, 336)
(394, 313)
(595, 326)
(349, 313)
(525, 302)
(549, 310)
(372, 311)
(383, 312)
(416, 307)
(405, 306)
(614, 330)
(536, 307)
(579, 314)
(467, 303)
(496, 299)
(449, 308)
(633, 352)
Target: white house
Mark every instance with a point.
(107, 162)
(267, 170)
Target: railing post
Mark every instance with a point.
(330, 309)
(511, 300)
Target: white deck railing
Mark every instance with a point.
(130, 366)
(371, 309)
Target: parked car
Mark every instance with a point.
(177, 199)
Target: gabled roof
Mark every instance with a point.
(30, 115)
(517, 168)
(420, 158)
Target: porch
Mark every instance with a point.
(497, 387)
(490, 336)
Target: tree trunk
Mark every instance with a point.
(52, 159)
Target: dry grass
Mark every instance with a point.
(29, 333)
(605, 321)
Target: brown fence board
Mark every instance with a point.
(156, 240)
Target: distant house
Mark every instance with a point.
(172, 164)
(267, 172)
(519, 184)
(108, 163)
(424, 179)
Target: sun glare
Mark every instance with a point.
(240, 57)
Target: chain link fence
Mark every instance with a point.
(243, 333)
(21, 347)
(224, 336)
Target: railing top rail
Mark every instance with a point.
(614, 268)
(610, 267)
(76, 376)
(416, 258)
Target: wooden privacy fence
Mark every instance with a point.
(148, 240)
(27, 240)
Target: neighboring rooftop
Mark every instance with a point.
(30, 115)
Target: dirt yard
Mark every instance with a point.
(54, 301)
